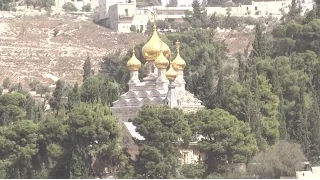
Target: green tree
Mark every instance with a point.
(133, 28)
(259, 111)
(93, 142)
(161, 127)
(74, 96)
(5, 5)
(225, 139)
(18, 146)
(99, 89)
(172, 3)
(192, 171)
(55, 101)
(87, 72)
(42, 89)
(281, 159)
(45, 4)
(197, 18)
(33, 84)
(6, 83)
(259, 47)
(69, 7)
(86, 8)
(294, 11)
(12, 108)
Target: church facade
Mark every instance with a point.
(159, 87)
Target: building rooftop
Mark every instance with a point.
(132, 130)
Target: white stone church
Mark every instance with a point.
(161, 86)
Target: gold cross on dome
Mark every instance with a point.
(133, 45)
(154, 15)
(178, 46)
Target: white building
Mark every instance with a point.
(120, 15)
(313, 174)
(171, 13)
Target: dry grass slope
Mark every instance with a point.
(30, 50)
(47, 48)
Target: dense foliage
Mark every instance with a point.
(262, 110)
(273, 88)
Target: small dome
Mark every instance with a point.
(161, 62)
(151, 50)
(178, 63)
(134, 64)
(171, 74)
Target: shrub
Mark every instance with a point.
(86, 8)
(133, 28)
(13, 87)
(6, 83)
(69, 7)
(55, 32)
(282, 159)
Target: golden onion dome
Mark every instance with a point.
(178, 63)
(134, 64)
(171, 74)
(151, 50)
(161, 62)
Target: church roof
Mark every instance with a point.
(132, 130)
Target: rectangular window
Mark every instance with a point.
(127, 12)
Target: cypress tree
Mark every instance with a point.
(220, 94)
(55, 100)
(259, 47)
(74, 96)
(87, 69)
(196, 9)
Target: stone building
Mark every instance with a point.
(120, 15)
(160, 87)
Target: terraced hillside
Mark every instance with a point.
(50, 48)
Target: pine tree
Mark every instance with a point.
(87, 69)
(220, 93)
(197, 10)
(277, 89)
(55, 100)
(294, 11)
(74, 96)
(241, 67)
(282, 118)
(314, 131)
(173, 3)
(161, 128)
(301, 124)
(259, 47)
(30, 105)
(256, 124)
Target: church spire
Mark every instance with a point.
(178, 65)
(133, 65)
(171, 99)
